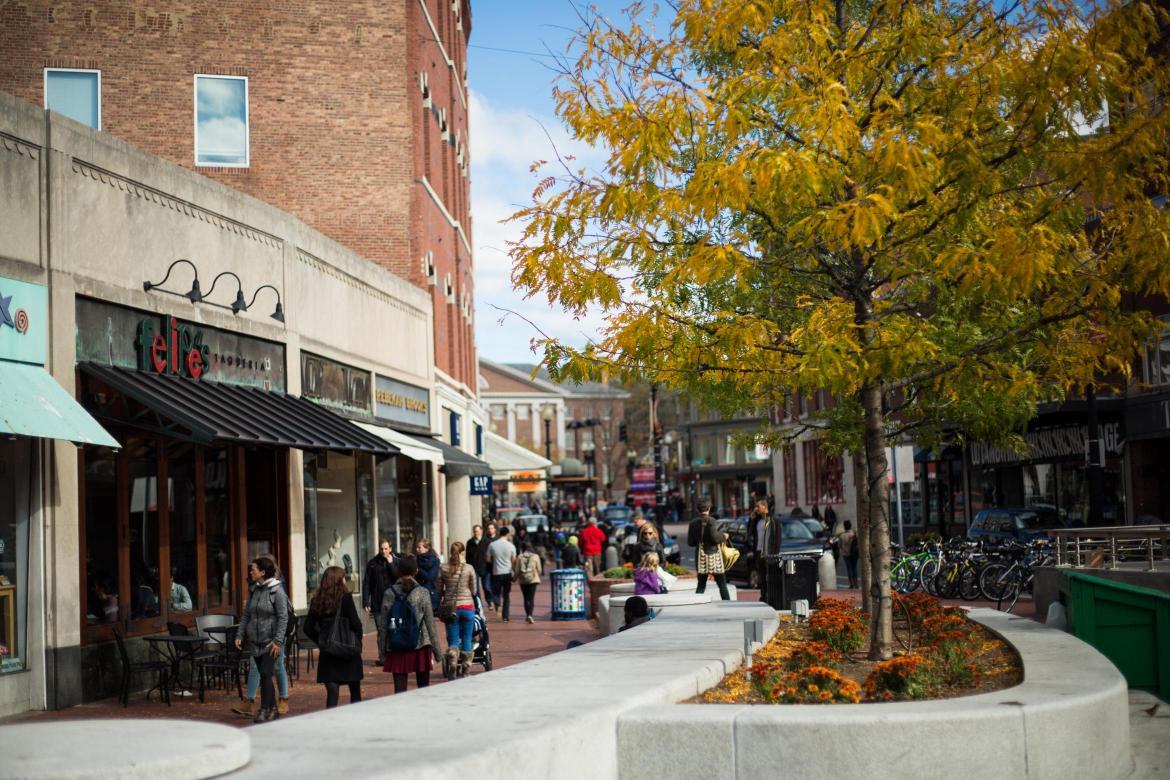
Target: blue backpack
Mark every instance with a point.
(402, 629)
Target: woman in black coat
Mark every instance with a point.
(333, 601)
(428, 570)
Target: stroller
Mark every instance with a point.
(481, 648)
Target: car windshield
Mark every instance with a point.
(813, 525)
(792, 531)
(618, 513)
(1035, 521)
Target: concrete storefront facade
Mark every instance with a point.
(92, 219)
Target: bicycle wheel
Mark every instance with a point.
(900, 577)
(969, 583)
(994, 581)
(927, 574)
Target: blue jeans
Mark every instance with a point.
(485, 583)
(459, 633)
(281, 677)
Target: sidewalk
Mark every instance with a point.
(511, 643)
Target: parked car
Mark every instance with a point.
(506, 514)
(532, 522)
(1013, 523)
(616, 516)
(795, 537)
(817, 528)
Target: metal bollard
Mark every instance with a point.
(753, 634)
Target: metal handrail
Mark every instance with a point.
(1096, 547)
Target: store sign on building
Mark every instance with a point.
(1053, 444)
(23, 319)
(481, 485)
(335, 384)
(122, 337)
(398, 402)
(526, 482)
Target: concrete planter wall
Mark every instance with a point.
(1068, 719)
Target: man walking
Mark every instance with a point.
(478, 560)
(381, 573)
(501, 553)
(757, 534)
(592, 543)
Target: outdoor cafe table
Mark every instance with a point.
(169, 646)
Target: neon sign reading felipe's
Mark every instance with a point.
(166, 347)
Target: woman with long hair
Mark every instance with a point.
(408, 594)
(457, 600)
(262, 629)
(648, 542)
(333, 602)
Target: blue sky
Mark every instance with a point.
(511, 98)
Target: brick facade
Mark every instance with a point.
(338, 131)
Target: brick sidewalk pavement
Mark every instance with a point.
(511, 643)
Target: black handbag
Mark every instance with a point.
(342, 640)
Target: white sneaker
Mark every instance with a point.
(529, 619)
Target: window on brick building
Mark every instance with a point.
(75, 93)
(824, 475)
(789, 460)
(221, 121)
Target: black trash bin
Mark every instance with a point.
(782, 588)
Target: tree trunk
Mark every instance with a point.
(878, 547)
(861, 523)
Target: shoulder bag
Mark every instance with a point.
(342, 640)
(447, 608)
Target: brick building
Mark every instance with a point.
(351, 116)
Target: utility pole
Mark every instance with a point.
(1095, 461)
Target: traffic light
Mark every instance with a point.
(623, 433)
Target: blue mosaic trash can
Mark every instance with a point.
(570, 594)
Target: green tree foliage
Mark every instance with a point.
(930, 209)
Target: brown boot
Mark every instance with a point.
(282, 706)
(245, 707)
(464, 663)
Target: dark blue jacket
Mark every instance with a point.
(428, 575)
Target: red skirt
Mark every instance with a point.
(408, 661)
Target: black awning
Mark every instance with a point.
(457, 463)
(214, 411)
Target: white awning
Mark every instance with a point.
(410, 446)
(504, 456)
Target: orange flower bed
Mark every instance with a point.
(904, 677)
(811, 685)
(841, 628)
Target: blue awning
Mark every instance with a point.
(33, 404)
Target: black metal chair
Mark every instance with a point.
(292, 648)
(228, 665)
(162, 670)
(303, 642)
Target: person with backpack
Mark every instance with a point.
(708, 543)
(571, 554)
(412, 643)
(247, 705)
(263, 628)
(848, 548)
(332, 602)
(527, 569)
(457, 607)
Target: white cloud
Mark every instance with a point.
(504, 143)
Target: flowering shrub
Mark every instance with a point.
(841, 629)
(901, 678)
(824, 602)
(943, 625)
(814, 654)
(918, 606)
(676, 570)
(618, 573)
(813, 685)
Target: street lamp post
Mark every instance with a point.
(656, 438)
(547, 413)
(587, 449)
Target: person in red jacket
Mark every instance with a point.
(592, 543)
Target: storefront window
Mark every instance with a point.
(726, 450)
(312, 559)
(387, 486)
(336, 514)
(218, 525)
(102, 564)
(184, 542)
(143, 529)
(413, 508)
(15, 508)
(1040, 485)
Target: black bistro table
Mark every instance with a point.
(174, 648)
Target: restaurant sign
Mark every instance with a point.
(334, 384)
(398, 402)
(122, 337)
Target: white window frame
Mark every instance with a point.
(247, 120)
(45, 87)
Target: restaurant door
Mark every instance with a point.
(265, 473)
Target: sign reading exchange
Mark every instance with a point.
(399, 402)
(1068, 443)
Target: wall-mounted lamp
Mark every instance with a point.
(196, 295)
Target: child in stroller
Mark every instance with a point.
(481, 649)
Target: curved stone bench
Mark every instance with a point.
(131, 748)
(554, 716)
(1068, 719)
(611, 608)
(681, 585)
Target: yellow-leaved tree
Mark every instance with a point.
(930, 210)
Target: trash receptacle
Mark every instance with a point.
(783, 588)
(570, 594)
